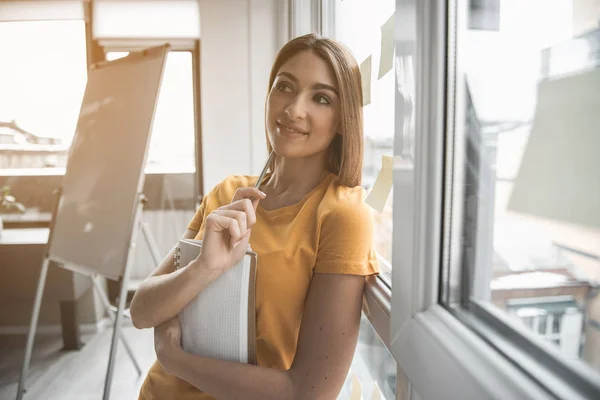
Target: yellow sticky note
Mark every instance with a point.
(376, 395)
(356, 391)
(365, 74)
(386, 62)
(381, 189)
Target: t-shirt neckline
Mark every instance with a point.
(295, 207)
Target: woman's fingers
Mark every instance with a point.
(248, 193)
(237, 218)
(240, 216)
(245, 205)
(218, 223)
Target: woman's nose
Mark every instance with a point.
(296, 109)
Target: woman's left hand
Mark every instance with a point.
(167, 340)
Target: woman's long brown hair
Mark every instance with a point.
(346, 150)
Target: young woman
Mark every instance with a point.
(312, 234)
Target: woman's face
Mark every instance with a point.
(303, 107)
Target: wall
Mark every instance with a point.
(239, 41)
(19, 271)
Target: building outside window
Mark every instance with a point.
(42, 75)
(557, 320)
(529, 254)
(43, 78)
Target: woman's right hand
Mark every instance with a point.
(227, 231)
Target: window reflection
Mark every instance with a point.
(535, 256)
(373, 368)
(366, 40)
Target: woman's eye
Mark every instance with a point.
(283, 87)
(322, 99)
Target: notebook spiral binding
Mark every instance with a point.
(176, 257)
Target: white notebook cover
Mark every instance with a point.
(220, 321)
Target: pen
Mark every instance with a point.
(264, 171)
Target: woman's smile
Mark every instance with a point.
(290, 131)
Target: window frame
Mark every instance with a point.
(447, 353)
(540, 361)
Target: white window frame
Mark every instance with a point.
(441, 356)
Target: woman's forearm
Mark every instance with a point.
(160, 298)
(229, 380)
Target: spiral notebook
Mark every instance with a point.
(220, 321)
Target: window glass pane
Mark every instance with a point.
(530, 173)
(42, 79)
(172, 143)
(361, 26)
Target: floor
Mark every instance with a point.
(55, 374)
(70, 375)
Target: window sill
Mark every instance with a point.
(27, 220)
(541, 361)
(385, 270)
(377, 306)
(436, 344)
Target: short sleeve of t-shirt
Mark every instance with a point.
(220, 195)
(209, 202)
(345, 243)
(196, 222)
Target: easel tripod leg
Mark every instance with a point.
(151, 243)
(131, 355)
(122, 301)
(116, 334)
(33, 327)
(111, 315)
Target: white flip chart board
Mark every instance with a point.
(92, 227)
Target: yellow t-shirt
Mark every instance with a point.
(329, 231)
